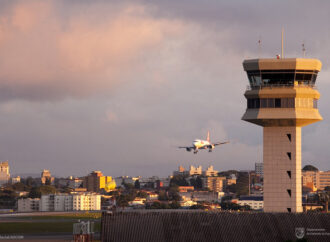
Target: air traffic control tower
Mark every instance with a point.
(282, 98)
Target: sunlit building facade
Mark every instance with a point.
(282, 98)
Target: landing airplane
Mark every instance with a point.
(199, 144)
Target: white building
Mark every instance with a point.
(255, 202)
(70, 202)
(28, 204)
(195, 170)
(210, 172)
(86, 201)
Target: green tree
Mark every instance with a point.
(199, 182)
(137, 184)
(48, 182)
(29, 181)
(178, 180)
(242, 184)
(162, 196)
(35, 193)
(310, 168)
(175, 205)
(128, 186)
(142, 194)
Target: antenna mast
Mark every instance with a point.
(303, 49)
(282, 56)
(259, 46)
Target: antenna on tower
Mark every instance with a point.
(259, 46)
(282, 55)
(303, 49)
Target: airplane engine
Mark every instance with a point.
(188, 149)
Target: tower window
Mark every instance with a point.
(289, 173)
(277, 102)
(289, 136)
(289, 192)
(314, 103)
(289, 155)
(289, 210)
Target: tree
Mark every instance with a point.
(137, 184)
(48, 181)
(310, 168)
(197, 206)
(242, 184)
(36, 192)
(142, 194)
(199, 182)
(178, 180)
(162, 196)
(30, 182)
(128, 186)
(327, 188)
(175, 205)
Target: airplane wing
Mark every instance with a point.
(185, 147)
(220, 143)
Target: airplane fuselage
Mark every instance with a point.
(202, 144)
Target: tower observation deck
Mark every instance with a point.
(282, 97)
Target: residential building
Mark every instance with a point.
(231, 180)
(195, 170)
(205, 196)
(152, 196)
(95, 182)
(70, 182)
(180, 171)
(259, 168)
(255, 202)
(70, 202)
(46, 178)
(14, 180)
(210, 171)
(316, 179)
(75, 182)
(185, 188)
(214, 183)
(28, 204)
(201, 196)
(4, 173)
(137, 201)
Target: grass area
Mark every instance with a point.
(82, 216)
(40, 227)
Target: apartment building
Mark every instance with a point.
(28, 204)
(70, 202)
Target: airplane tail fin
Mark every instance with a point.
(208, 136)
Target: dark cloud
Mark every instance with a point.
(117, 86)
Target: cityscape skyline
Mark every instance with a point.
(118, 86)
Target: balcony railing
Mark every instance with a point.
(256, 87)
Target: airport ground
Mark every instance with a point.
(45, 226)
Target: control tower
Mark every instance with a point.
(282, 98)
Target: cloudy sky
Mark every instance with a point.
(116, 86)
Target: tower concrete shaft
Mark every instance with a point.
(282, 98)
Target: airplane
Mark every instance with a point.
(199, 144)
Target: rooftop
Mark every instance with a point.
(282, 64)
